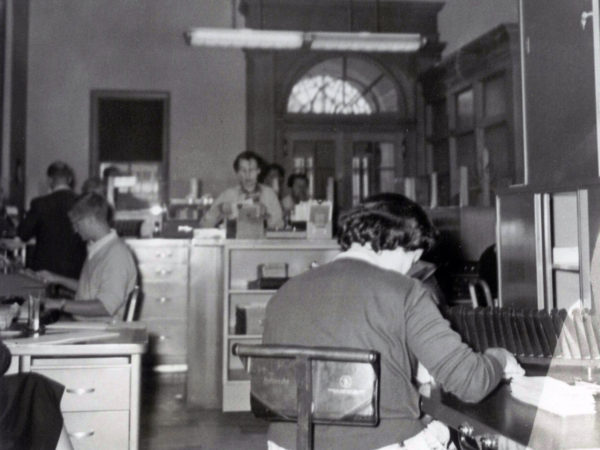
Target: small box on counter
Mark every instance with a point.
(272, 270)
(249, 319)
(270, 276)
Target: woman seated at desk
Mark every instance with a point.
(364, 299)
(30, 416)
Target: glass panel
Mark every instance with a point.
(467, 157)
(387, 180)
(564, 220)
(386, 150)
(501, 157)
(566, 288)
(343, 86)
(494, 96)
(465, 112)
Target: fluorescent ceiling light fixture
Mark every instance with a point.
(314, 40)
(245, 38)
(366, 42)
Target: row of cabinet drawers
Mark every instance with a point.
(96, 402)
(164, 273)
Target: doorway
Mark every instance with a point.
(358, 164)
(130, 134)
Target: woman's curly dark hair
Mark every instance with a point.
(387, 221)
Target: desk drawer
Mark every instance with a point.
(91, 389)
(98, 430)
(167, 337)
(164, 255)
(164, 305)
(165, 272)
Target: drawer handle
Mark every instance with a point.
(164, 255)
(163, 338)
(81, 391)
(163, 271)
(163, 299)
(82, 434)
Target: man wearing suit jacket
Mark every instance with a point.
(57, 248)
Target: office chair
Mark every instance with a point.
(312, 385)
(131, 304)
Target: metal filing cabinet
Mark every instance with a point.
(164, 274)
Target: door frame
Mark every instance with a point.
(343, 137)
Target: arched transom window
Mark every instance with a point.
(344, 85)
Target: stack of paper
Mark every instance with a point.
(554, 396)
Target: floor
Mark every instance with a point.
(166, 422)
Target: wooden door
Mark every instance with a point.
(361, 164)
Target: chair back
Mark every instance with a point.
(308, 385)
(131, 304)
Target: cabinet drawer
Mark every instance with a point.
(98, 430)
(91, 389)
(165, 255)
(167, 337)
(170, 273)
(172, 290)
(163, 306)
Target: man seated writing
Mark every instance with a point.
(109, 273)
(365, 300)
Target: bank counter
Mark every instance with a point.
(201, 296)
(500, 420)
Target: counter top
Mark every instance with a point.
(500, 414)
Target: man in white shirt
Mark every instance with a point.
(109, 273)
(248, 191)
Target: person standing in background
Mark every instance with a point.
(298, 192)
(274, 178)
(57, 247)
(248, 191)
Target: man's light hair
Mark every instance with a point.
(90, 205)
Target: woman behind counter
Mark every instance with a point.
(30, 416)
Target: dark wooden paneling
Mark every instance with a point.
(559, 76)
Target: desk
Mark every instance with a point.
(500, 414)
(16, 284)
(101, 404)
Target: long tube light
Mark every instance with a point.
(317, 40)
(245, 38)
(366, 42)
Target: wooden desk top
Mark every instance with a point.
(127, 341)
(501, 414)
